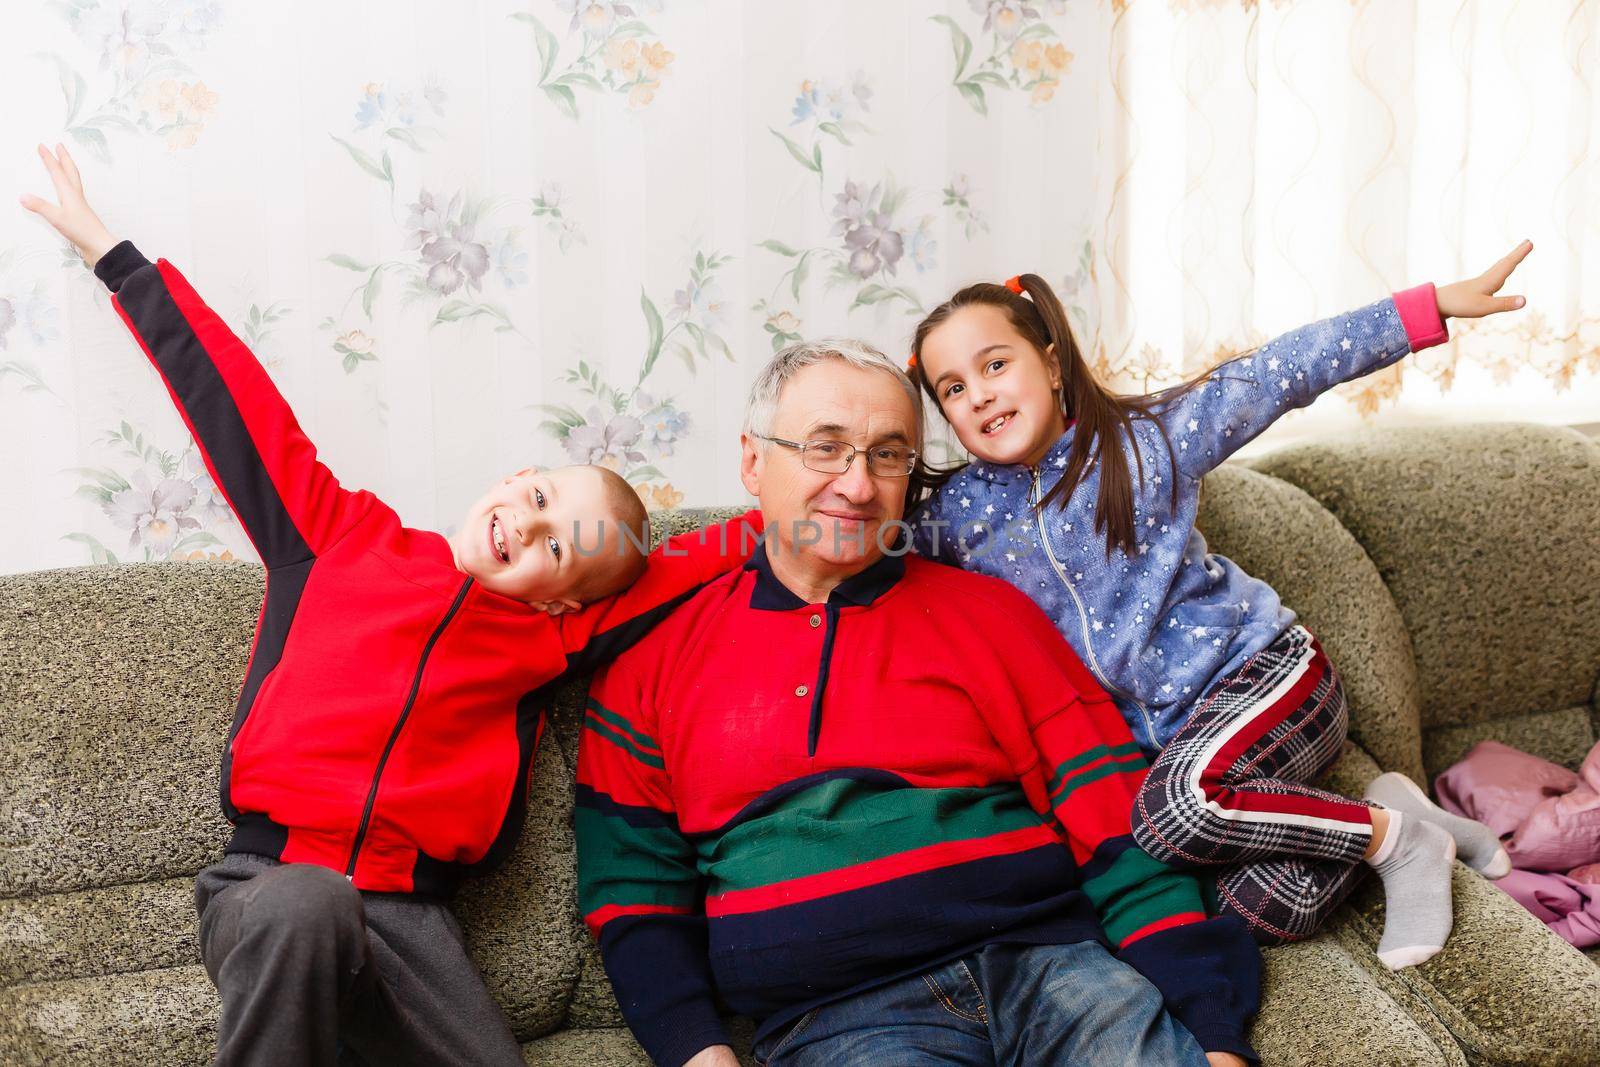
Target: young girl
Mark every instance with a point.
(1086, 501)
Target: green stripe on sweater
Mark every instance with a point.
(1136, 890)
(619, 863)
(843, 822)
(1098, 752)
(1126, 765)
(644, 741)
(603, 729)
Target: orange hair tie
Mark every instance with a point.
(911, 364)
(1015, 285)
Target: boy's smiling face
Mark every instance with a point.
(522, 538)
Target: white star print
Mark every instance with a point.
(1067, 527)
(1272, 364)
(1078, 577)
(1151, 522)
(1244, 605)
(1138, 619)
(1097, 626)
(1194, 424)
(1061, 461)
(1228, 432)
(1011, 557)
(1166, 687)
(1216, 641)
(1143, 549)
(1345, 344)
(1335, 364)
(988, 509)
(1284, 385)
(1164, 529)
(966, 502)
(1183, 446)
(1199, 631)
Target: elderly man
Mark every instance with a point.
(875, 802)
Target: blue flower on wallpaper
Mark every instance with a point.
(663, 423)
(28, 321)
(381, 107)
(826, 108)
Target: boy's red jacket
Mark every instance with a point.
(392, 706)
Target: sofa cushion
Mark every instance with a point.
(138, 927)
(110, 740)
(122, 1020)
(1485, 537)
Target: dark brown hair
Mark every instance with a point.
(1102, 418)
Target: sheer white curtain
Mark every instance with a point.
(465, 237)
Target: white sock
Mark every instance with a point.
(1476, 844)
(1414, 863)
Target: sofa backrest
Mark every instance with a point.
(1488, 537)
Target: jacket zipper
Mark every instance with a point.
(1035, 498)
(394, 735)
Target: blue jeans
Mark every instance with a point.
(1023, 1005)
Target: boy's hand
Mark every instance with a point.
(73, 218)
(1474, 298)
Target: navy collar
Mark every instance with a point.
(858, 590)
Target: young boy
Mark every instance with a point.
(394, 699)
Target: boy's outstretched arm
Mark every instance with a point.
(673, 573)
(289, 504)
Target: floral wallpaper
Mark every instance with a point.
(464, 238)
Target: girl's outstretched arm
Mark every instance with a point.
(1241, 398)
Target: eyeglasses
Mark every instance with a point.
(835, 457)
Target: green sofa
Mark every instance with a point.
(1453, 575)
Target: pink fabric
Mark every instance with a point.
(1549, 819)
(1419, 314)
(1570, 908)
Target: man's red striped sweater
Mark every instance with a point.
(788, 803)
(392, 706)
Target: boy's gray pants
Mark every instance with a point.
(308, 966)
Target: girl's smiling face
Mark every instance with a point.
(999, 392)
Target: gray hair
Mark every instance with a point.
(762, 408)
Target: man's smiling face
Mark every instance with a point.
(826, 526)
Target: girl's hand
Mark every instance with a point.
(73, 218)
(1225, 1059)
(1474, 298)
